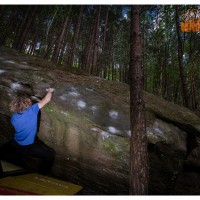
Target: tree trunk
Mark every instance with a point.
(19, 28)
(86, 59)
(62, 51)
(113, 71)
(33, 42)
(58, 44)
(104, 63)
(105, 29)
(180, 59)
(8, 25)
(96, 42)
(110, 61)
(138, 143)
(75, 39)
(104, 73)
(50, 45)
(23, 32)
(120, 72)
(193, 89)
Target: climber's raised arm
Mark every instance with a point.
(47, 98)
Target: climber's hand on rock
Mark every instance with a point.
(50, 90)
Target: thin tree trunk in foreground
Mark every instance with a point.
(138, 143)
(185, 92)
(75, 39)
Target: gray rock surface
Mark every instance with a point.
(87, 124)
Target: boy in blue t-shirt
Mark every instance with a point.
(25, 122)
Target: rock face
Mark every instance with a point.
(87, 124)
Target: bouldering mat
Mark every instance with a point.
(30, 184)
(12, 191)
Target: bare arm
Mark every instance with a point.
(47, 98)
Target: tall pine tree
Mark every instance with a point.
(138, 143)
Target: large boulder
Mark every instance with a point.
(87, 124)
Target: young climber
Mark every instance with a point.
(25, 122)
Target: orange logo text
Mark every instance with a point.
(191, 21)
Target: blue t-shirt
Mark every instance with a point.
(25, 124)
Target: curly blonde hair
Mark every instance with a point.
(20, 103)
